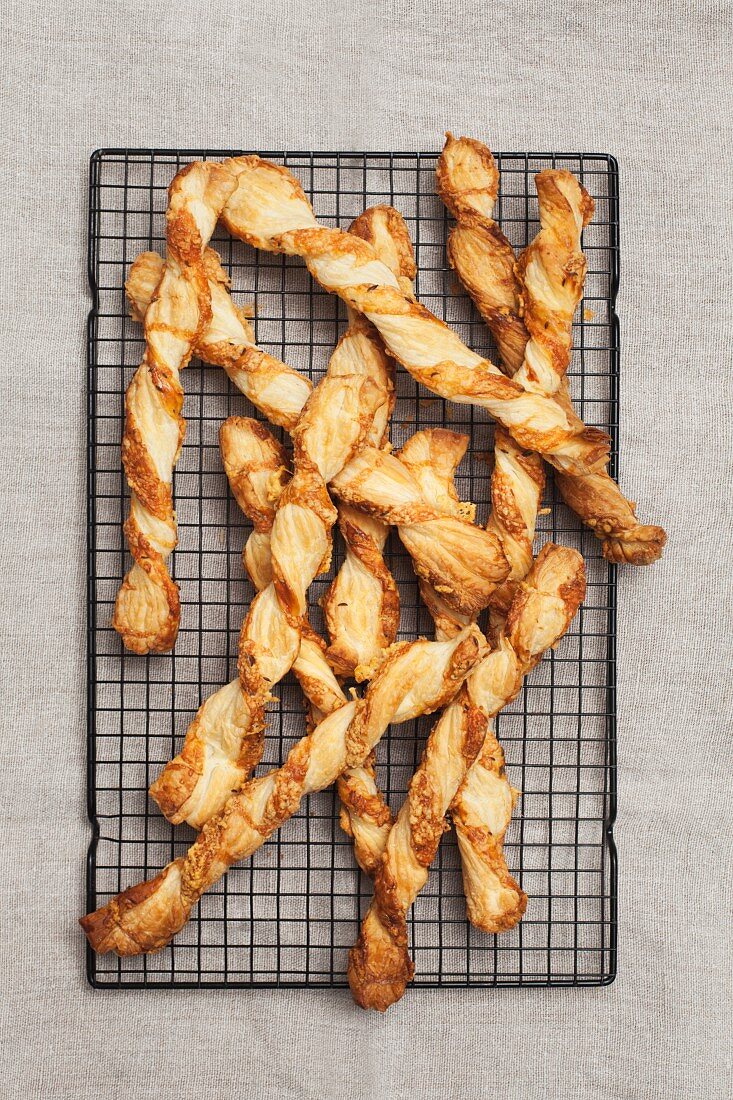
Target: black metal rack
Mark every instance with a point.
(288, 916)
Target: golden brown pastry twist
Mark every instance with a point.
(227, 341)
(333, 425)
(432, 456)
(478, 251)
(516, 489)
(529, 307)
(415, 678)
(362, 604)
(251, 454)
(147, 609)
(270, 211)
(379, 963)
(517, 485)
(462, 562)
(256, 467)
(224, 741)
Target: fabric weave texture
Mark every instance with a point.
(650, 83)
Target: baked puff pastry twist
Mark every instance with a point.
(516, 488)
(543, 607)
(333, 425)
(461, 561)
(432, 456)
(256, 466)
(225, 740)
(529, 308)
(517, 485)
(379, 963)
(147, 609)
(270, 211)
(227, 341)
(415, 678)
(362, 604)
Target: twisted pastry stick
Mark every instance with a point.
(256, 465)
(461, 561)
(478, 251)
(432, 456)
(379, 963)
(227, 341)
(414, 679)
(269, 210)
(518, 301)
(147, 609)
(540, 613)
(362, 604)
(333, 424)
(258, 469)
(516, 487)
(224, 742)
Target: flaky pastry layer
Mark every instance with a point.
(379, 962)
(362, 604)
(415, 678)
(529, 308)
(147, 609)
(334, 423)
(270, 211)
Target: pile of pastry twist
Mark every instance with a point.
(343, 470)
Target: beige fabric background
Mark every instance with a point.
(649, 82)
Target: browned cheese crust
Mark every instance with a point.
(462, 562)
(333, 424)
(379, 963)
(529, 308)
(147, 609)
(415, 678)
(362, 605)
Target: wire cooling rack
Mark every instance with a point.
(289, 915)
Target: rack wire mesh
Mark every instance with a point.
(288, 916)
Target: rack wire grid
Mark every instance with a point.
(288, 916)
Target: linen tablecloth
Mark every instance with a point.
(648, 82)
